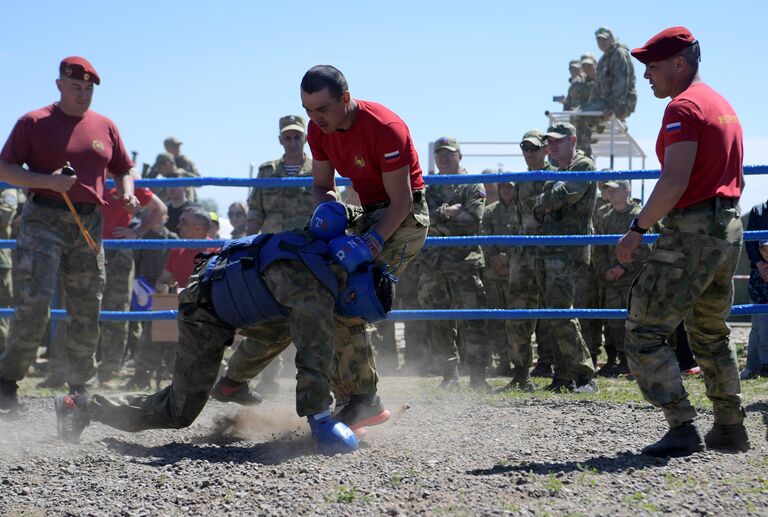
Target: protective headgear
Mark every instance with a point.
(329, 220)
(368, 294)
(351, 252)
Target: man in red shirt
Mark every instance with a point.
(50, 245)
(194, 223)
(688, 277)
(119, 270)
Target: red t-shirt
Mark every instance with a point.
(702, 115)
(114, 212)
(47, 138)
(378, 142)
(181, 262)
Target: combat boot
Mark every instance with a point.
(585, 384)
(228, 390)
(521, 381)
(728, 438)
(682, 440)
(622, 368)
(450, 380)
(542, 370)
(559, 385)
(477, 381)
(332, 436)
(363, 410)
(71, 416)
(9, 401)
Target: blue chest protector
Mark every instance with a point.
(238, 292)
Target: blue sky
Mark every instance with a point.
(219, 74)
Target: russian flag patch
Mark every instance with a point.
(394, 155)
(673, 127)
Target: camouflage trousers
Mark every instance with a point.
(615, 298)
(415, 332)
(496, 298)
(49, 246)
(117, 297)
(455, 290)
(6, 300)
(522, 293)
(688, 278)
(590, 295)
(355, 370)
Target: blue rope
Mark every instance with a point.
(430, 179)
(415, 315)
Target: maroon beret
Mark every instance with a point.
(664, 45)
(79, 68)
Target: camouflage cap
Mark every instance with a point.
(164, 157)
(534, 136)
(616, 184)
(588, 55)
(561, 130)
(576, 63)
(292, 123)
(172, 140)
(604, 32)
(447, 142)
(588, 61)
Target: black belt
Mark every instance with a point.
(418, 196)
(80, 208)
(712, 204)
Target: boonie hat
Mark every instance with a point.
(561, 130)
(76, 67)
(664, 45)
(447, 142)
(292, 123)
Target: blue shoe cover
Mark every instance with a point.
(332, 436)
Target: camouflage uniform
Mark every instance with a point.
(451, 278)
(521, 288)
(416, 356)
(117, 297)
(48, 247)
(498, 219)
(688, 277)
(578, 93)
(565, 208)
(8, 203)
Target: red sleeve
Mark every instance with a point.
(17, 147)
(121, 162)
(143, 194)
(682, 122)
(313, 137)
(392, 147)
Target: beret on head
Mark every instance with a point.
(664, 45)
(76, 67)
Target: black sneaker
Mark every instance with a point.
(585, 385)
(362, 411)
(71, 416)
(542, 370)
(679, 441)
(561, 386)
(9, 400)
(227, 390)
(728, 438)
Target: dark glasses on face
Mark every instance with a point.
(530, 148)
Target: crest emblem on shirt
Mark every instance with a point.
(98, 146)
(359, 161)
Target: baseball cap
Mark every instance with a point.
(447, 142)
(603, 32)
(561, 130)
(172, 140)
(534, 136)
(76, 67)
(164, 157)
(586, 60)
(292, 123)
(616, 184)
(664, 45)
(575, 63)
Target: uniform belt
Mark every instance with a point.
(80, 208)
(712, 204)
(418, 196)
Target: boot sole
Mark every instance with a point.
(374, 420)
(681, 453)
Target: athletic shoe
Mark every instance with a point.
(585, 385)
(679, 441)
(71, 416)
(363, 411)
(561, 386)
(728, 438)
(227, 390)
(332, 436)
(696, 370)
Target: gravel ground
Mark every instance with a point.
(441, 453)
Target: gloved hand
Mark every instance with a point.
(374, 241)
(351, 252)
(329, 221)
(332, 436)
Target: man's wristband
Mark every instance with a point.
(635, 227)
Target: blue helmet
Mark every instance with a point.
(367, 294)
(329, 220)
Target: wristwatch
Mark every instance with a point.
(635, 227)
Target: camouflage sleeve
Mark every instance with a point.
(468, 221)
(256, 213)
(488, 227)
(563, 194)
(620, 87)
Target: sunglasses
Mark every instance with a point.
(530, 148)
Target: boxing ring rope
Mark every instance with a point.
(437, 242)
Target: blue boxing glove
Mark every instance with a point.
(374, 241)
(329, 221)
(351, 252)
(332, 436)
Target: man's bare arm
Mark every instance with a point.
(398, 186)
(20, 177)
(323, 182)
